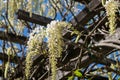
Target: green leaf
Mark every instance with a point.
(78, 73)
(70, 78)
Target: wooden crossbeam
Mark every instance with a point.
(13, 38)
(86, 14)
(4, 57)
(37, 19)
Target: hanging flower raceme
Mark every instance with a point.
(10, 53)
(111, 7)
(55, 43)
(35, 46)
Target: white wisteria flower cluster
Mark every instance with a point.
(54, 41)
(111, 7)
(54, 35)
(35, 46)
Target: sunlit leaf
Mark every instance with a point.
(70, 78)
(78, 73)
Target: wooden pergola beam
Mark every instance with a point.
(86, 14)
(37, 19)
(13, 38)
(4, 57)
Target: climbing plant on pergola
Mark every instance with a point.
(89, 30)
